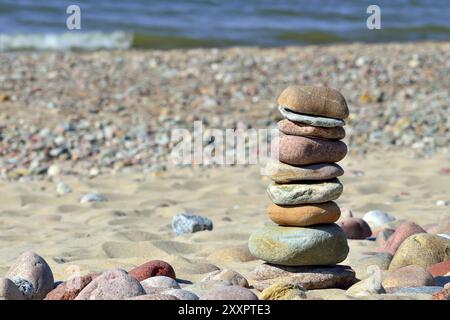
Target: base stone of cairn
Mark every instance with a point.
(305, 245)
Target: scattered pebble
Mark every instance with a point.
(229, 293)
(283, 290)
(151, 269)
(92, 197)
(402, 232)
(409, 276)
(377, 218)
(9, 290)
(355, 228)
(182, 294)
(228, 277)
(63, 188)
(190, 223)
(160, 282)
(442, 203)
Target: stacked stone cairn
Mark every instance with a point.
(304, 186)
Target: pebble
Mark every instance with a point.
(228, 277)
(182, 294)
(315, 121)
(304, 215)
(310, 278)
(284, 173)
(63, 188)
(439, 269)
(296, 150)
(283, 290)
(93, 197)
(443, 235)
(229, 293)
(152, 268)
(9, 291)
(53, 170)
(422, 249)
(31, 273)
(202, 287)
(402, 232)
(297, 246)
(314, 100)
(409, 276)
(442, 203)
(298, 129)
(303, 193)
(377, 218)
(114, 284)
(69, 289)
(355, 228)
(189, 223)
(159, 282)
(369, 286)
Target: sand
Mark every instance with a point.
(134, 225)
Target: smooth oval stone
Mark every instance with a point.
(114, 284)
(283, 173)
(299, 129)
(304, 215)
(297, 246)
(152, 268)
(310, 120)
(409, 276)
(159, 282)
(355, 228)
(309, 277)
(421, 249)
(297, 150)
(293, 193)
(322, 101)
(377, 218)
(33, 270)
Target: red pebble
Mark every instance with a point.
(151, 269)
(402, 232)
(439, 269)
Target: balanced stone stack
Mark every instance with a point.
(305, 182)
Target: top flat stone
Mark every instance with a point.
(320, 101)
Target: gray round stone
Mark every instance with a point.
(296, 246)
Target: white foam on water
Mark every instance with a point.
(66, 41)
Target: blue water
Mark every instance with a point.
(197, 23)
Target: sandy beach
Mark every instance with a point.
(99, 122)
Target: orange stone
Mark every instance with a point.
(304, 215)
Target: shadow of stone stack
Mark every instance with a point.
(305, 245)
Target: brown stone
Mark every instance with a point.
(321, 101)
(69, 289)
(304, 215)
(283, 173)
(355, 228)
(152, 268)
(309, 277)
(298, 150)
(299, 129)
(444, 294)
(439, 269)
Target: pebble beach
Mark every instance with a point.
(88, 184)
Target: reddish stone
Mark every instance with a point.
(444, 294)
(409, 276)
(355, 228)
(298, 150)
(69, 289)
(402, 232)
(151, 269)
(439, 269)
